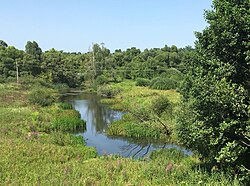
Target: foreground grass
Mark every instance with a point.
(33, 152)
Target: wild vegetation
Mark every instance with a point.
(33, 152)
(198, 97)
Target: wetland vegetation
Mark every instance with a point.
(196, 97)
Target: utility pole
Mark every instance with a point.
(17, 73)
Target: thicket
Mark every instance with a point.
(43, 96)
(214, 116)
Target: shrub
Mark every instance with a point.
(142, 82)
(161, 104)
(42, 96)
(61, 87)
(130, 129)
(163, 83)
(65, 106)
(108, 91)
(101, 80)
(64, 139)
(173, 73)
(66, 123)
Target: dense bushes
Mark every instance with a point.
(214, 118)
(42, 96)
(131, 129)
(162, 104)
(64, 139)
(108, 91)
(66, 123)
(161, 83)
(142, 82)
(65, 106)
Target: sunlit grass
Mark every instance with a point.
(32, 154)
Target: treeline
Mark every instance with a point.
(97, 67)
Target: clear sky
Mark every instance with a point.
(72, 25)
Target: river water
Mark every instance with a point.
(98, 117)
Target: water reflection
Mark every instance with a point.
(98, 117)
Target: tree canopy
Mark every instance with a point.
(214, 120)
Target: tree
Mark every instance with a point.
(214, 119)
(33, 49)
(2, 43)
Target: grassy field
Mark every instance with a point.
(36, 151)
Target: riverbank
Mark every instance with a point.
(149, 113)
(33, 152)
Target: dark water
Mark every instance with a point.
(98, 117)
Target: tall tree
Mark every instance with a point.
(33, 49)
(214, 120)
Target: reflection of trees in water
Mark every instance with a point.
(100, 115)
(139, 147)
(97, 115)
(132, 150)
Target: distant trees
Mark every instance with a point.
(214, 119)
(97, 67)
(101, 66)
(9, 59)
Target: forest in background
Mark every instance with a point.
(100, 66)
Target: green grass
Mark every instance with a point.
(144, 119)
(33, 154)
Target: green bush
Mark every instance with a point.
(66, 123)
(65, 139)
(108, 91)
(61, 87)
(42, 96)
(161, 104)
(173, 73)
(142, 82)
(166, 155)
(65, 106)
(130, 129)
(163, 83)
(2, 80)
(101, 80)
(10, 80)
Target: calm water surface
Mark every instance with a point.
(98, 117)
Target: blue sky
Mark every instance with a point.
(72, 25)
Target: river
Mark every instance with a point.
(98, 117)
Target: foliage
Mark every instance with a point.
(160, 83)
(131, 129)
(65, 106)
(61, 87)
(108, 91)
(66, 123)
(62, 139)
(162, 104)
(142, 82)
(101, 80)
(42, 96)
(214, 118)
(3, 44)
(57, 158)
(149, 112)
